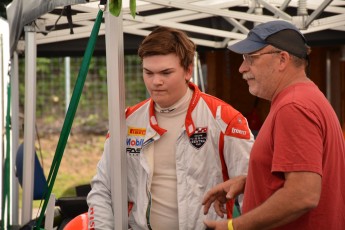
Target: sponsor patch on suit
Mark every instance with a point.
(199, 137)
(135, 140)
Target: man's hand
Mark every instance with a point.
(216, 225)
(222, 192)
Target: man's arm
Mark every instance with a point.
(219, 194)
(300, 194)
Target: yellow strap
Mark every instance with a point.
(230, 227)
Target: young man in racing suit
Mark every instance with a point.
(180, 143)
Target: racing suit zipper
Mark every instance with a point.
(148, 210)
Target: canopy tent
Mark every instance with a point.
(212, 24)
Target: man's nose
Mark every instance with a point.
(243, 67)
(157, 80)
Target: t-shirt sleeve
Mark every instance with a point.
(297, 140)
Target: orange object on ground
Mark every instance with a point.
(79, 222)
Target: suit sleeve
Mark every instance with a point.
(99, 200)
(238, 142)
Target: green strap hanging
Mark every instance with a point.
(66, 128)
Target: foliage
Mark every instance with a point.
(115, 7)
(93, 105)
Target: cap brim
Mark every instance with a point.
(246, 46)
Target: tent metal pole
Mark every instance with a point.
(29, 121)
(67, 81)
(2, 116)
(116, 113)
(15, 136)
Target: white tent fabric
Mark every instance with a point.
(20, 13)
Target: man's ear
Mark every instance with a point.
(285, 59)
(189, 72)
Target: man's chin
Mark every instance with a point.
(159, 101)
(252, 92)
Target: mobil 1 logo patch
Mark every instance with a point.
(199, 137)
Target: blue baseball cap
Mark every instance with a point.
(280, 34)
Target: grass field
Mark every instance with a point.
(78, 164)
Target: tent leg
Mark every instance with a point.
(15, 136)
(29, 121)
(116, 111)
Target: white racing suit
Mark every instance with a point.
(215, 137)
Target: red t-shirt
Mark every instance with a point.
(301, 133)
